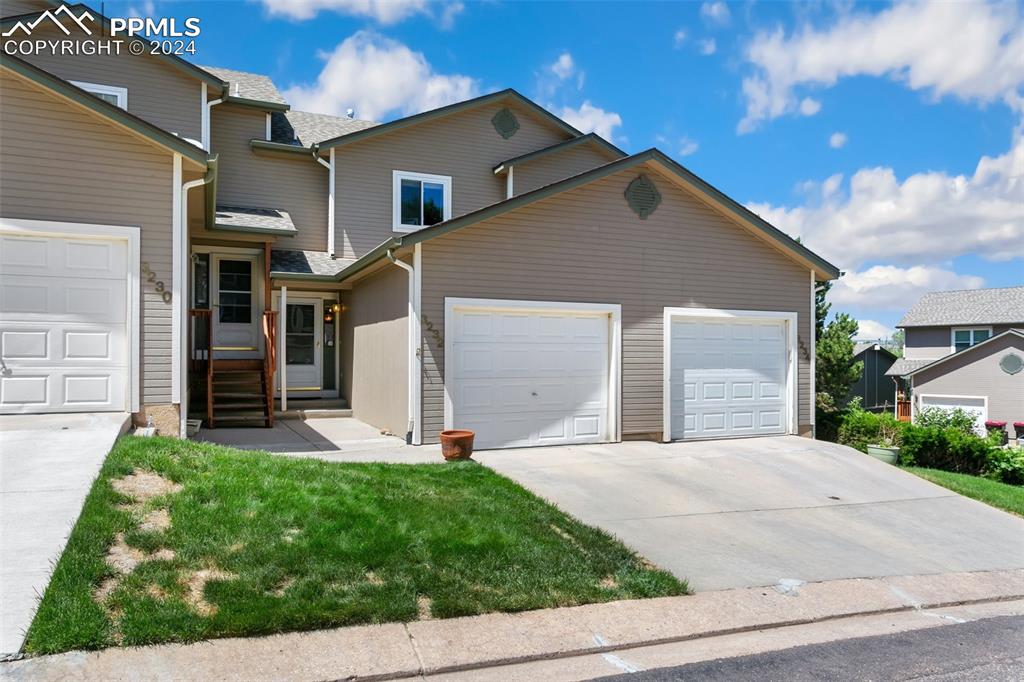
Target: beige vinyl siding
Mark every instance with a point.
(157, 92)
(586, 245)
(10, 8)
(291, 182)
(978, 373)
(557, 166)
(60, 163)
(374, 349)
(932, 343)
(464, 146)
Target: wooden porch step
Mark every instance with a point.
(255, 395)
(255, 404)
(252, 365)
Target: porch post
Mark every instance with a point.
(266, 276)
(282, 347)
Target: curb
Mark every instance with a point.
(394, 651)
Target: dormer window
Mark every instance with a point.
(964, 338)
(420, 200)
(108, 93)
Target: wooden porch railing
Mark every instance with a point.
(270, 358)
(903, 410)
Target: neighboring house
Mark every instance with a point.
(484, 265)
(964, 349)
(876, 390)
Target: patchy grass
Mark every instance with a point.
(182, 541)
(1002, 495)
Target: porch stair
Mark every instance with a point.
(239, 392)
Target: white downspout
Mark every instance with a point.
(207, 112)
(814, 354)
(509, 182)
(181, 343)
(282, 342)
(330, 199)
(413, 434)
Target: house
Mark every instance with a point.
(876, 391)
(964, 349)
(177, 240)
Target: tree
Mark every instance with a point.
(835, 369)
(894, 344)
(821, 307)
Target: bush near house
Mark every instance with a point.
(937, 440)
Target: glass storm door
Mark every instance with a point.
(236, 313)
(303, 348)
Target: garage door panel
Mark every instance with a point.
(63, 324)
(524, 378)
(727, 378)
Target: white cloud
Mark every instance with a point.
(688, 146)
(837, 140)
(589, 118)
(707, 47)
(715, 13)
(378, 76)
(564, 67)
(869, 330)
(383, 11)
(888, 287)
(928, 218)
(679, 38)
(968, 50)
(809, 106)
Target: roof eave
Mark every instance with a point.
(589, 138)
(262, 105)
(267, 145)
(306, 276)
(256, 229)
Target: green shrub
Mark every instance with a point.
(949, 449)
(938, 417)
(860, 428)
(1006, 465)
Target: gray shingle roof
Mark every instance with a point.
(319, 263)
(248, 85)
(859, 348)
(305, 128)
(969, 306)
(903, 366)
(249, 219)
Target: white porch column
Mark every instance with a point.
(282, 346)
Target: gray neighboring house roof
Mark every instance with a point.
(245, 86)
(286, 263)
(859, 348)
(251, 219)
(903, 366)
(969, 306)
(303, 128)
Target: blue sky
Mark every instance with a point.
(889, 137)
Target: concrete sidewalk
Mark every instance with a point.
(47, 465)
(475, 643)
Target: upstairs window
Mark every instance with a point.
(420, 200)
(108, 93)
(965, 338)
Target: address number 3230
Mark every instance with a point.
(159, 286)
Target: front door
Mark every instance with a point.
(303, 354)
(235, 307)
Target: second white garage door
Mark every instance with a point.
(727, 377)
(63, 324)
(521, 377)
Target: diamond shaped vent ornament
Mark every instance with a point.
(1011, 363)
(506, 123)
(642, 196)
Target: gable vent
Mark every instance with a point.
(642, 196)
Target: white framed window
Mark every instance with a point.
(419, 200)
(963, 338)
(108, 93)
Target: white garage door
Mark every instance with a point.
(976, 405)
(63, 324)
(523, 378)
(727, 377)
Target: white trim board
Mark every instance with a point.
(128, 233)
(121, 93)
(396, 197)
(968, 328)
(612, 310)
(792, 377)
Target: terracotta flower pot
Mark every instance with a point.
(457, 444)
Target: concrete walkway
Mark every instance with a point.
(747, 512)
(47, 465)
(534, 644)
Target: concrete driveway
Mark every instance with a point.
(47, 465)
(751, 512)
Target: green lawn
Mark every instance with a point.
(1007, 497)
(205, 541)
